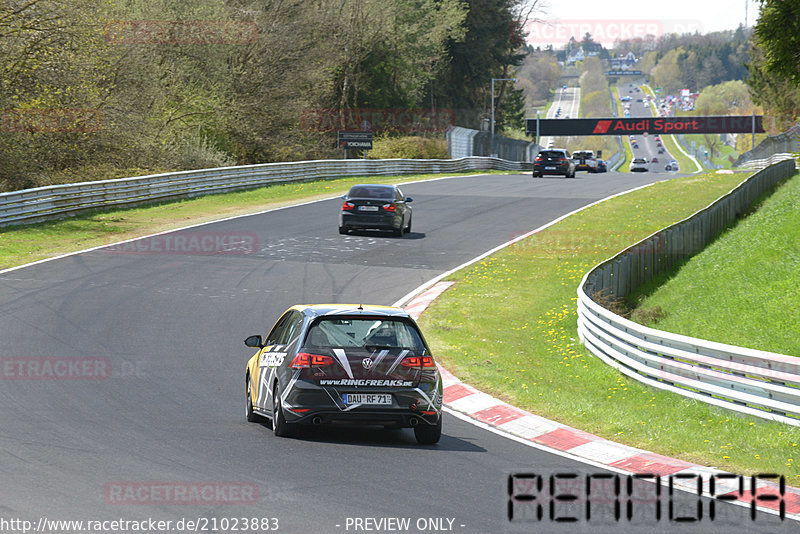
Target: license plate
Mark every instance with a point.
(367, 398)
(368, 208)
(550, 168)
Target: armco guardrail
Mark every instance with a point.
(748, 381)
(758, 164)
(786, 142)
(43, 203)
(463, 142)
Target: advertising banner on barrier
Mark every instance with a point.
(652, 125)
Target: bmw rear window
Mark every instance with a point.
(552, 154)
(383, 193)
(385, 332)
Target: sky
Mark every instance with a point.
(634, 17)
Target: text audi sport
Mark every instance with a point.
(344, 364)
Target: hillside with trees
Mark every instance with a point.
(95, 90)
(692, 61)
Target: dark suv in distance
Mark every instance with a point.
(554, 161)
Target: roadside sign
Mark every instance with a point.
(358, 140)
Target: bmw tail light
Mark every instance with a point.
(425, 362)
(389, 207)
(305, 360)
(347, 206)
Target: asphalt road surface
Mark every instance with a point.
(123, 379)
(648, 146)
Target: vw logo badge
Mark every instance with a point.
(367, 363)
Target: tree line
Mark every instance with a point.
(92, 89)
(692, 61)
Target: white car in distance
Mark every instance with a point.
(639, 165)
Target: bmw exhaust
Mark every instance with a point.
(317, 420)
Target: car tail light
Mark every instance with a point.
(304, 360)
(389, 207)
(347, 206)
(538, 158)
(425, 362)
(562, 160)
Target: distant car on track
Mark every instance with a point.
(331, 364)
(584, 160)
(554, 161)
(602, 166)
(375, 207)
(672, 166)
(639, 165)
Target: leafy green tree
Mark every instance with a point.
(777, 34)
(539, 75)
(778, 96)
(492, 47)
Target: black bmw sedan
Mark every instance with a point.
(375, 207)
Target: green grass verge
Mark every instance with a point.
(626, 146)
(743, 289)
(724, 151)
(508, 326)
(28, 243)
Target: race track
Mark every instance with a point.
(152, 410)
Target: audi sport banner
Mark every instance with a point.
(651, 125)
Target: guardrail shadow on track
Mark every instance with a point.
(747, 381)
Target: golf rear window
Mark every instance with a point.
(364, 332)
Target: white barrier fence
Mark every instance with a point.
(747, 381)
(43, 203)
(758, 164)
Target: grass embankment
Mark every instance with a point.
(508, 326)
(29, 243)
(744, 288)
